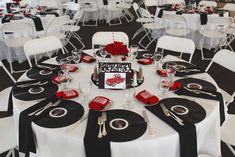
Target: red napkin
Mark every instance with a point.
(87, 58)
(145, 61)
(72, 68)
(147, 98)
(175, 86)
(99, 103)
(9, 14)
(55, 79)
(27, 14)
(162, 72)
(69, 94)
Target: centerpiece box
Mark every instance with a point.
(114, 75)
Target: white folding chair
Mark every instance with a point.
(52, 3)
(176, 44)
(149, 29)
(15, 34)
(71, 8)
(216, 30)
(224, 58)
(125, 6)
(7, 129)
(104, 38)
(229, 6)
(176, 25)
(91, 12)
(42, 45)
(54, 28)
(113, 12)
(72, 28)
(208, 3)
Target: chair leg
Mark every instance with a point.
(202, 53)
(137, 32)
(231, 148)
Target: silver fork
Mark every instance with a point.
(199, 91)
(32, 84)
(104, 119)
(48, 106)
(100, 127)
(170, 114)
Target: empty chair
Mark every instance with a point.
(176, 25)
(42, 45)
(208, 4)
(7, 129)
(216, 30)
(125, 6)
(229, 6)
(104, 38)
(225, 58)
(177, 44)
(91, 12)
(20, 32)
(113, 13)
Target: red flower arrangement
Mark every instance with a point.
(116, 48)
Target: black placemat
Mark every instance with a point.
(191, 82)
(183, 64)
(27, 94)
(53, 117)
(144, 54)
(195, 113)
(41, 73)
(134, 130)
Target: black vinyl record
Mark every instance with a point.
(195, 83)
(98, 54)
(66, 113)
(36, 91)
(132, 125)
(41, 73)
(62, 56)
(181, 65)
(189, 110)
(144, 54)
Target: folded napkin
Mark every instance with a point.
(87, 58)
(147, 98)
(145, 61)
(187, 133)
(203, 17)
(95, 146)
(6, 18)
(175, 86)
(26, 139)
(162, 72)
(218, 96)
(50, 13)
(72, 68)
(9, 111)
(99, 103)
(68, 94)
(160, 13)
(105, 2)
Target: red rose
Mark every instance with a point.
(116, 48)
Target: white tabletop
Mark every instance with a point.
(58, 143)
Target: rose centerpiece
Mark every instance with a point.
(117, 50)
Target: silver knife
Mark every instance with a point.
(146, 119)
(76, 124)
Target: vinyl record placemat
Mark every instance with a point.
(124, 125)
(144, 54)
(62, 56)
(98, 54)
(195, 83)
(41, 73)
(34, 92)
(65, 113)
(189, 110)
(180, 65)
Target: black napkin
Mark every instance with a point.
(9, 111)
(160, 13)
(219, 97)
(187, 133)
(53, 13)
(6, 19)
(105, 2)
(26, 140)
(95, 146)
(179, 12)
(37, 22)
(203, 17)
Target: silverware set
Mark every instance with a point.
(39, 83)
(146, 119)
(187, 70)
(168, 113)
(41, 110)
(101, 122)
(196, 91)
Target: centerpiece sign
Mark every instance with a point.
(114, 75)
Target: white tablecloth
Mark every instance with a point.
(57, 143)
(194, 25)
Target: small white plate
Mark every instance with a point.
(58, 112)
(118, 124)
(179, 109)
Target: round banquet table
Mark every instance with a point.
(57, 142)
(194, 25)
(18, 53)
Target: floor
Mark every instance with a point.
(129, 28)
